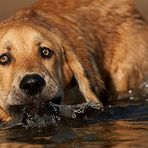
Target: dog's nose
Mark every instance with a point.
(32, 84)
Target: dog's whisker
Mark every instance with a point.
(4, 90)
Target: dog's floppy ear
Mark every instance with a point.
(89, 85)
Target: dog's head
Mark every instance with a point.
(37, 63)
(30, 67)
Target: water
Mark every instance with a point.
(126, 132)
(122, 124)
(121, 133)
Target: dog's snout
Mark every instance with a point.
(32, 84)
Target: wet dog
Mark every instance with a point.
(71, 49)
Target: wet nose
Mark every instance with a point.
(32, 84)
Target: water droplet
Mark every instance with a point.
(109, 106)
(130, 91)
(58, 118)
(74, 115)
(131, 98)
(55, 109)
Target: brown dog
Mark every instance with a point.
(58, 47)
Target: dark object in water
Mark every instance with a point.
(49, 114)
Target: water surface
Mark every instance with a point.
(116, 126)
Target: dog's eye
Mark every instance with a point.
(45, 52)
(4, 59)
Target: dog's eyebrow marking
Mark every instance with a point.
(6, 48)
(38, 39)
(8, 45)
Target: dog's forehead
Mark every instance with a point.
(20, 36)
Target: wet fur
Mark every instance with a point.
(103, 44)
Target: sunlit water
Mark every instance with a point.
(124, 124)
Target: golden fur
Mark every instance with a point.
(100, 47)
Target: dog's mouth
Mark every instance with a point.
(32, 114)
(33, 107)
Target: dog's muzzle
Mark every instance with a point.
(32, 84)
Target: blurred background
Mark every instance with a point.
(9, 7)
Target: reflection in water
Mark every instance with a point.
(109, 134)
(133, 134)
